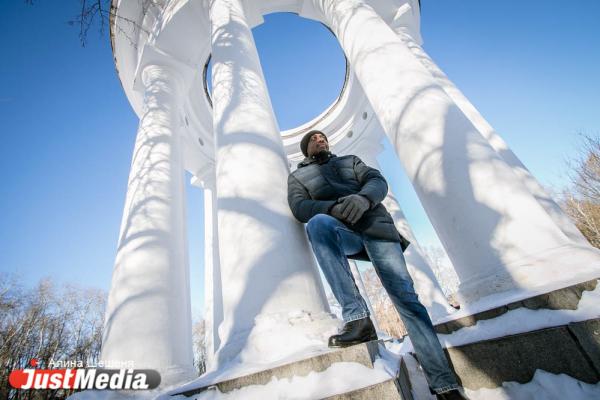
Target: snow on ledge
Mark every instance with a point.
(339, 378)
(522, 320)
(544, 385)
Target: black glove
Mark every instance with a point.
(336, 211)
(351, 208)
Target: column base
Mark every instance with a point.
(566, 299)
(275, 337)
(176, 375)
(531, 276)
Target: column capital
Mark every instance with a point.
(155, 65)
(205, 178)
(310, 11)
(252, 14)
(153, 73)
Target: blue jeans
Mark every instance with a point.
(332, 242)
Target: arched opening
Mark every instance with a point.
(305, 70)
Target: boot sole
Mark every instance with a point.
(355, 342)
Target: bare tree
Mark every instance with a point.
(581, 201)
(443, 270)
(387, 317)
(585, 170)
(46, 323)
(199, 339)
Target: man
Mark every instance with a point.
(340, 200)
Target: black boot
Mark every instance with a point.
(354, 332)
(454, 394)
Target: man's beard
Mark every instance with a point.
(322, 155)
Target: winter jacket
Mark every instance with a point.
(317, 184)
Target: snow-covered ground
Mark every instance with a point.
(544, 386)
(339, 378)
(347, 376)
(344, 377)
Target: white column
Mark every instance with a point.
(273, 301)
(213, 296)
(148, 317)
(426, 284)
(561, 219)
(495, 232)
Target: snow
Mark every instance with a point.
(338, 378)
(277, 336)
(277, 339)
(517, 321)
(343, 377)
(347, 376)
(122, 395)
(544, 385)
(525, 320)
(509, 296)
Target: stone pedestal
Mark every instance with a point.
(571, 348)
(363, 354)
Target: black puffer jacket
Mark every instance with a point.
(317, 184)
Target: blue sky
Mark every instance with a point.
(67, 129)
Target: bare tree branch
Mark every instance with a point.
(581, 201)
(46, 323)
(99, 14)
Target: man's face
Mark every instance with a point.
(316, 144)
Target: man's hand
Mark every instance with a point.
(336, 212)
(350, 208)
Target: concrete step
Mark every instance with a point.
(364, 354)
(572, 349)
(412, 382)
(387, 390)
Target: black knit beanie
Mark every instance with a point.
(306, 139)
